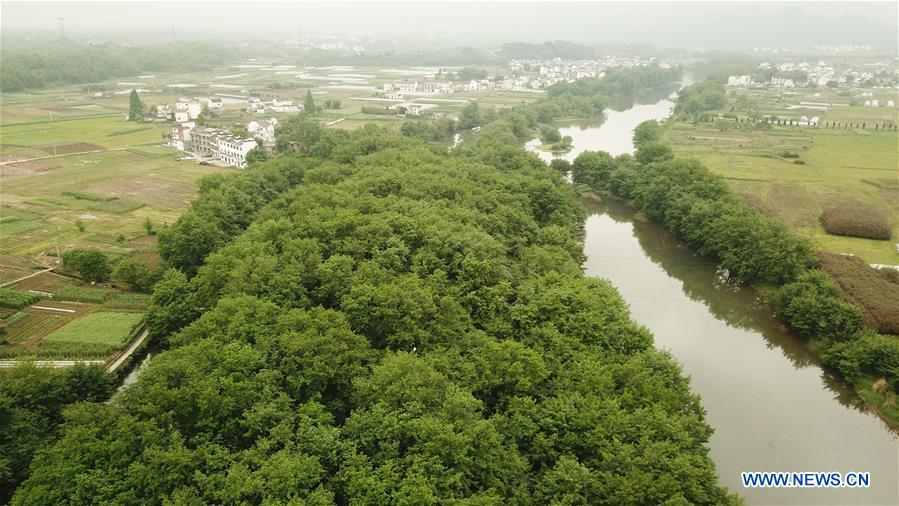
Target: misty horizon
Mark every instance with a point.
(689, 25)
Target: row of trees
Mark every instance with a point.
(615, 83)
(73, 63)
(707, 95)
(402, 326)
(699, 207)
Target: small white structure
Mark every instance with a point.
(413, 109)
(890, 103)
(282, 106)
(743, 80)
(181, 116)
(163, 111)
(191, 107)
(214, 104)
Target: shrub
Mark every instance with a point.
(16, 300)
(870, 354)
(812, 306)
(856, 219)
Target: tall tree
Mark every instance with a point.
(135, 107)
(309, 102)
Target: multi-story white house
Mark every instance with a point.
(263, 130)
(180, 136)
(221, 145)
(215, 104)
(233, 150)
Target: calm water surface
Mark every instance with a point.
(771, 403)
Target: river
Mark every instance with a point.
(772, 404)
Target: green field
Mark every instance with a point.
(103, 327)
(835, 166)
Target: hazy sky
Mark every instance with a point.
(681, 24)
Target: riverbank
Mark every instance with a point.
(767, 394)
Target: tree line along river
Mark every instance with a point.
(773, 406)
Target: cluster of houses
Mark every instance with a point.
(217, 144)
(819, 74)
(554, 70)
(221, 145)
(549, 72)
(258, 106)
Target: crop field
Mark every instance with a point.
(824, 168)
(111, 328)
(44, 282)
(27, 327)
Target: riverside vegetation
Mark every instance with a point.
(367, 319)
(699, 207)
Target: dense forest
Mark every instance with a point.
(698, 206)
(76, 64)
(387, 324)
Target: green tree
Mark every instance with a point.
(309, 102)
(91, 264)
(135, 107)
(257, 155)
(133, 273)
(647, 132)
(171, 306)
(470, 116)
(148, 226)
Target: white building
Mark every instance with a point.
(221, 145)
(264, 130)
(180, 137)
(215, 104)
(189, 106)
(233, 150)
(282, 106)
(163, 111)
(744, 80)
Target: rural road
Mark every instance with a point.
(127, 353)
(10, 162)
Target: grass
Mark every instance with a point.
(112, 328)
(840, 166)
(84, 294)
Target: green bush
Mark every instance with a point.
(812, 306)
(16, 300)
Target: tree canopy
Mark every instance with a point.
(388, 324)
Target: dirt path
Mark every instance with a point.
(26, 277)
(10, 162)
(127, 353)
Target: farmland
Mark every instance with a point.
(795, 173)
(75, 174)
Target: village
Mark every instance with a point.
(415, 94)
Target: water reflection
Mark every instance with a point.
(772, 405)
